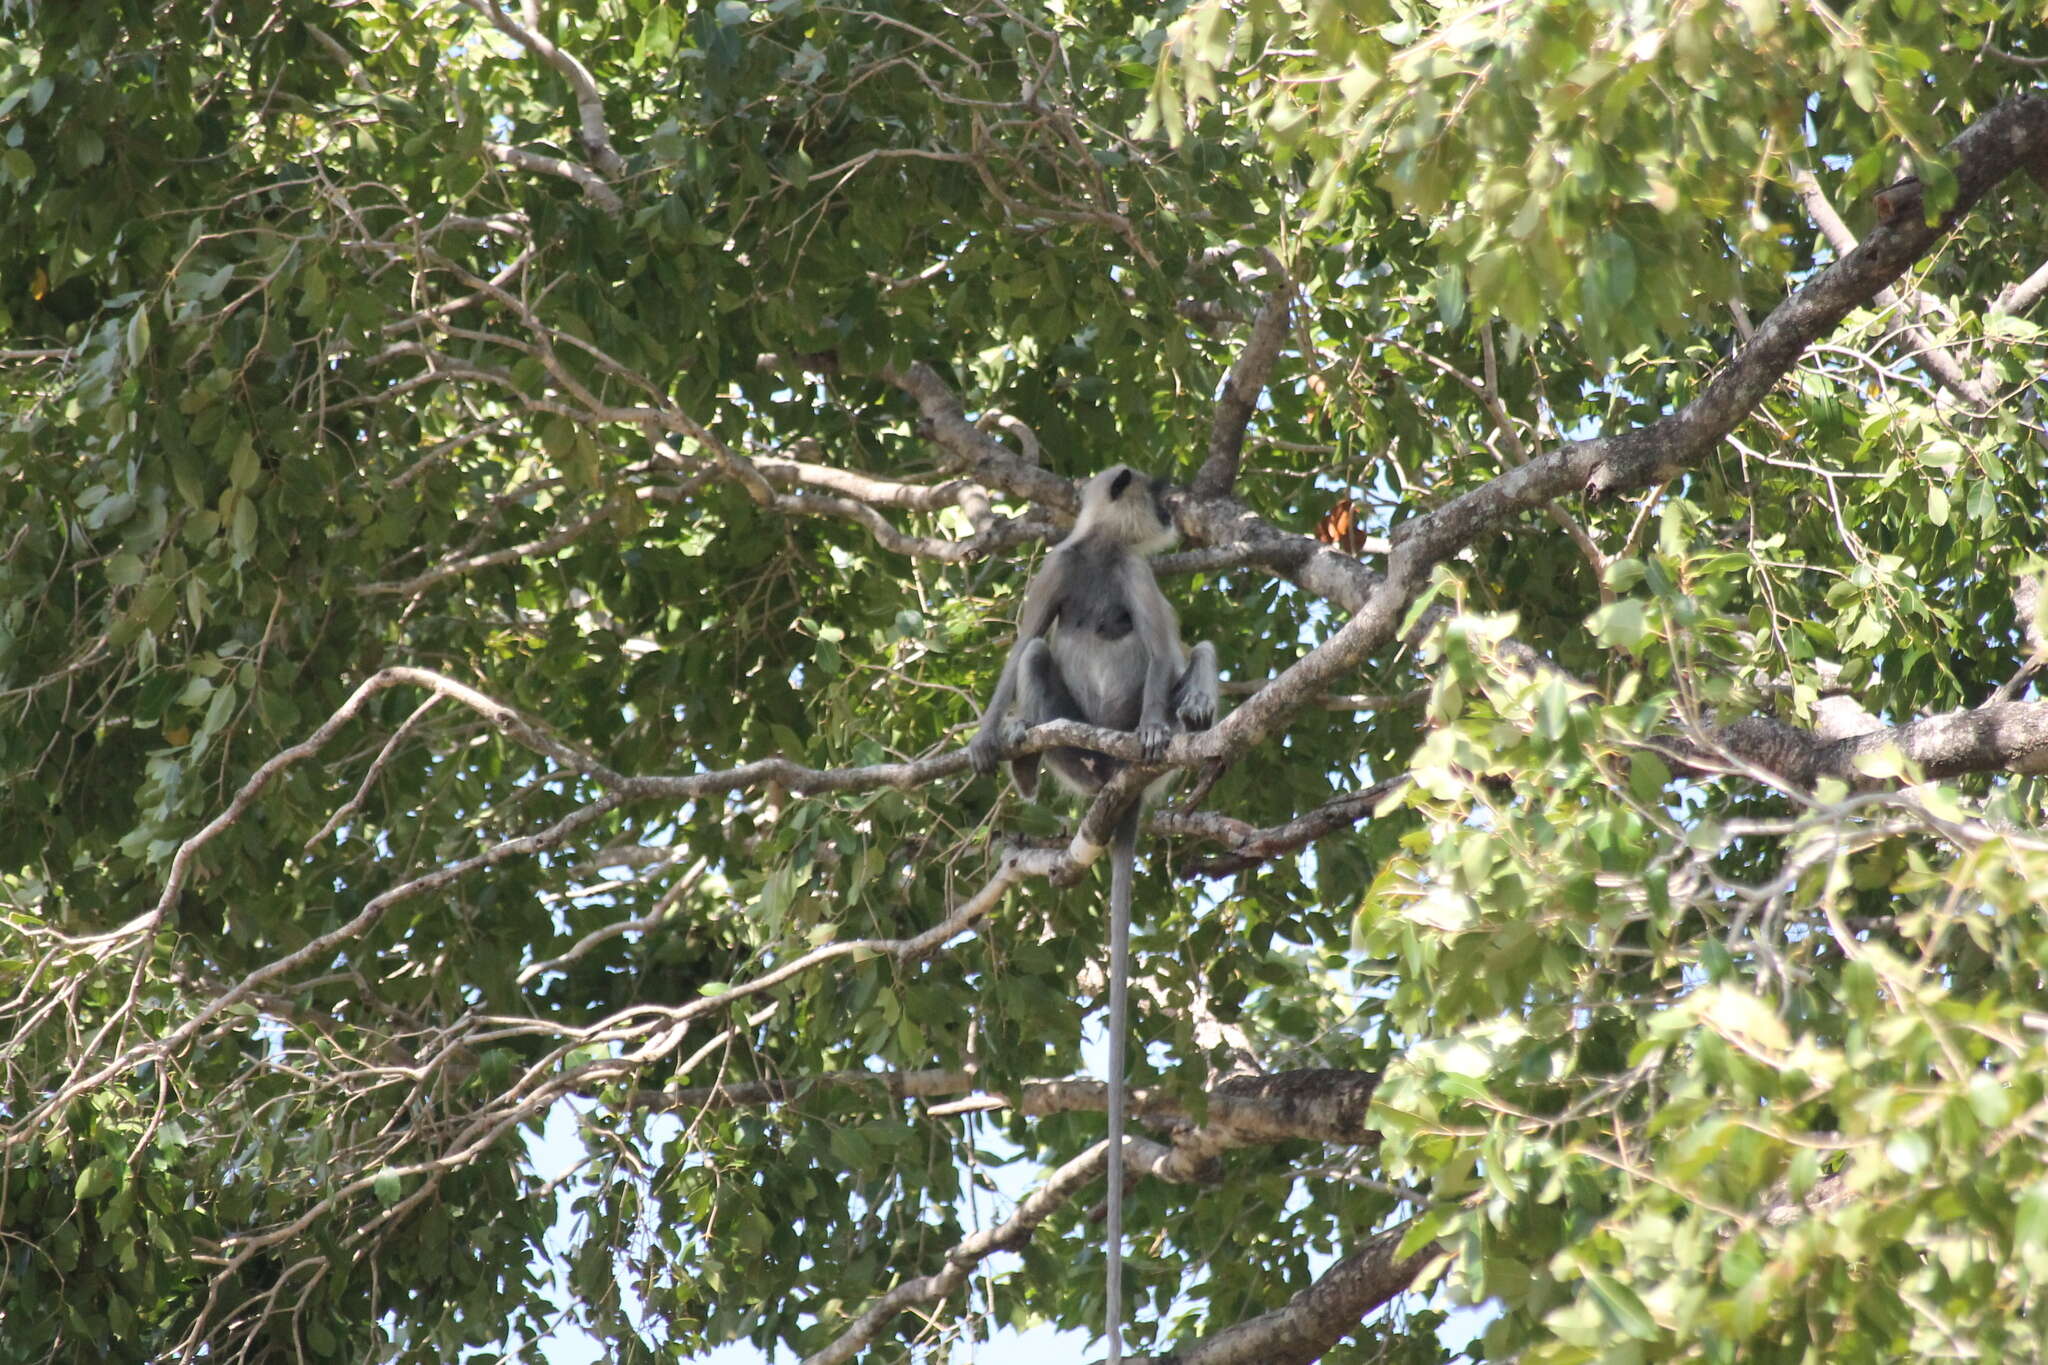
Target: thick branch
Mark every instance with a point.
(868, 488)
(1319, 1316)
(1218, 521)
(1313, 1105)
(1983, 155)
(2026, 601)
(1000, 534)
(945, 420)
(1997, 737)
(1926, 350)
(1321, 570)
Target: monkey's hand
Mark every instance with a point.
(1152, 738)
(990, 741)
(1197, 709)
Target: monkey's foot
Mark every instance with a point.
(984, 751)
(1152, 738)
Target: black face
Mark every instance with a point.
(1159, 487)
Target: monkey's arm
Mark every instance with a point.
(1034, 618)
(1153, 618)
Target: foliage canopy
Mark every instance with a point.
(506, 515)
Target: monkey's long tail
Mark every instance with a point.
(1123, 856)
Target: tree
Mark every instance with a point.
(509, 513)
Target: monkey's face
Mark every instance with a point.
(1156, 486)
(1128, 507)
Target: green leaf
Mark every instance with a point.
(1909, 1151)
(1648, 777)
(2030, 1217)
(138, 335)
(219, 709)
(1621, 1307)
(243, 464)
(124, 570)
(1622, 625)
(1937, 504)
(242, 528)
(96, 1179)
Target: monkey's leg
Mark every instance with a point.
(1042, 695)
(1195, 691)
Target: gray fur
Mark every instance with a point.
(1098, 642)
(1115, 650)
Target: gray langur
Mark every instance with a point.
(1098, 642)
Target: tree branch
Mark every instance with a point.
(1059, 1188)
(593, 186)
(594, 137)
(2018, 297)
(2004, 140)
(1319, 1316)
(1262, 846)
(945, 421)
(1983, 154)
(467, 564)
(1928, 352)
(1241, 390)
(1232, 532)
(1316, 1104)
(1310, 1105)
(1995, 737)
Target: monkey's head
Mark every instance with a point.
(1129, 506)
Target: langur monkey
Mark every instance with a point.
(1098, 642)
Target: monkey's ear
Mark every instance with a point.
(1118, 484)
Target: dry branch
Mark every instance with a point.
(2023, 294)
(590, 182)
